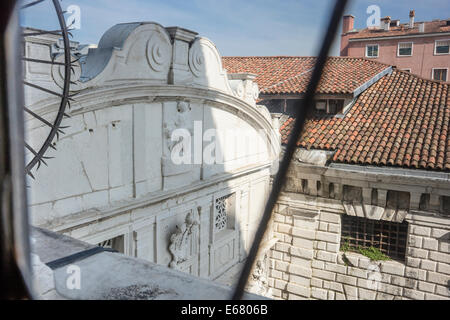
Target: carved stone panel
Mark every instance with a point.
(183, 242)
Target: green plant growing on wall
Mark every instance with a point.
(346, 247)
(373, 253)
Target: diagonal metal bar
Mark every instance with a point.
(43, 89)
(31, 4)
(43, 61)
(291, 146)
(42, 119)
(40, 160)
(38, 33)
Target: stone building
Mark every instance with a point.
(372, 167)
(375, 174)
(148, 164)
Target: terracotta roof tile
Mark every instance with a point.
(290, 75)
(401, 120)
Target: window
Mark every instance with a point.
(330, 106)
(220, 220)
(405, 49)
(440, 74)
(116, 243)
(321, 105)
(224, 212)
(445, 205)
(335, 106)
(372, 51)
(442, 47)
(389, 237)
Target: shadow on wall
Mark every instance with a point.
(165, 157)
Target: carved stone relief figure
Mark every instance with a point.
(177, 144)
(182, 120)
(181, 241)
(258, 282)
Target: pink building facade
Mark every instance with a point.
(420, 48)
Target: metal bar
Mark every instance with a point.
(43, 89)
(58, 263)
(292, 145)
(31, 4)
(43, 61)
(43, 120)
(38, 117)
(38, 33)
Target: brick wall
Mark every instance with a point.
(306, 262)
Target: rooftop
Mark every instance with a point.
(435, 26)
(402, 120)
(290, 75)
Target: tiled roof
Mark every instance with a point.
(290, 75)
(401, 120)
(402, 30)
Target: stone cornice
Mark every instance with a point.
(76, 220)
(120, 93)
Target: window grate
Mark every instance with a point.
(389, 237)
(221, 216)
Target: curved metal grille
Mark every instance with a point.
(38, 153)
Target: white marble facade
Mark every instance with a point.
(113, 180)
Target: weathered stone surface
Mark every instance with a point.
(320, 294)
(346, 279)
(321, 274)
(393, 268)
(115, 178)
(298, 290)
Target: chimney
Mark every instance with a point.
(385, 23)
(411, 18)
(348, 22)
(422, 27)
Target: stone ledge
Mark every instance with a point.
(108, 275)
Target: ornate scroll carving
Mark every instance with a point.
(158, 52)
(58, 72)
(197, 60)
(255, 91)
(238, 88)
(180, 241)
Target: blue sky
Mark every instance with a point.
(252, 27)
